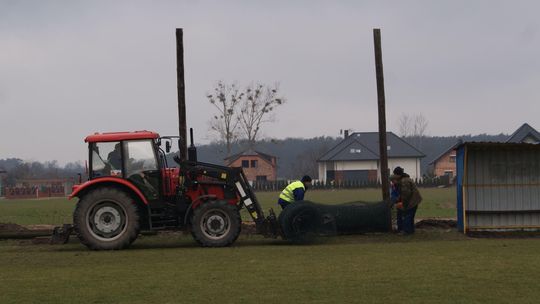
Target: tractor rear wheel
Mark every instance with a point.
(106, 219)
(216, 224)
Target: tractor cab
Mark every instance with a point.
(132, 156)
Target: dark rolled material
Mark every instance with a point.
(302, 221)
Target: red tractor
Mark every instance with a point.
(132, 188)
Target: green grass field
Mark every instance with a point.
(437, 203)
(433, 266)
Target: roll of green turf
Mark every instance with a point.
(302, 221)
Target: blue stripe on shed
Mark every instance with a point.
(460, 166)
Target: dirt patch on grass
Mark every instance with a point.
(436, 223)
(40, 227)
(249, 228)
(9, 227)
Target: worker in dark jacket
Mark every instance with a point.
(294, 192)
(409, 198)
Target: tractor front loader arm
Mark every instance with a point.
(267, 226)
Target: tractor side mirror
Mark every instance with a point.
(167, 146)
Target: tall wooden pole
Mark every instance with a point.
(182, 125)
(383, 150)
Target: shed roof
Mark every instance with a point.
(522, 133)
(365, 146)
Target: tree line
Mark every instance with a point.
(18, 169)
(295, 156)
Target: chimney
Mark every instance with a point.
(346, 134)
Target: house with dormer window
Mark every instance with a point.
(356, 158)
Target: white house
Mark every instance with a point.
(356, 158)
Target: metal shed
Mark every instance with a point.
(498, 186)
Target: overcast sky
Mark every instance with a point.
(68, 68)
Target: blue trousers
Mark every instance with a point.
(283, 203)
(405, 220)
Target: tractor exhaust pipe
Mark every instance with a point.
(192, 150)
(182, 125)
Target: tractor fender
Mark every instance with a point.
(77, 189)
(196, 203)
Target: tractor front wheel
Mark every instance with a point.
(106, 219)
(216, 224)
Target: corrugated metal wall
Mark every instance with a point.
(501, 187)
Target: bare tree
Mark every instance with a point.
(256, 109)
(404, 125)
(225, 99)
(420, 124)
(413, 128)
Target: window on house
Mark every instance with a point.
(355, 151)
(452, 158)
(261, 178)
(245, 164)
(254, 163)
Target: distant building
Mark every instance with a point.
(356, 158)
(257, 166)
(445, 163)
(525, 134)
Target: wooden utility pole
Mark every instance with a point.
(383, 150)
(182, 125)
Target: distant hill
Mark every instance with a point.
(295, 156)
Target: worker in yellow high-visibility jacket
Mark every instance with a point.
(294, 192)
